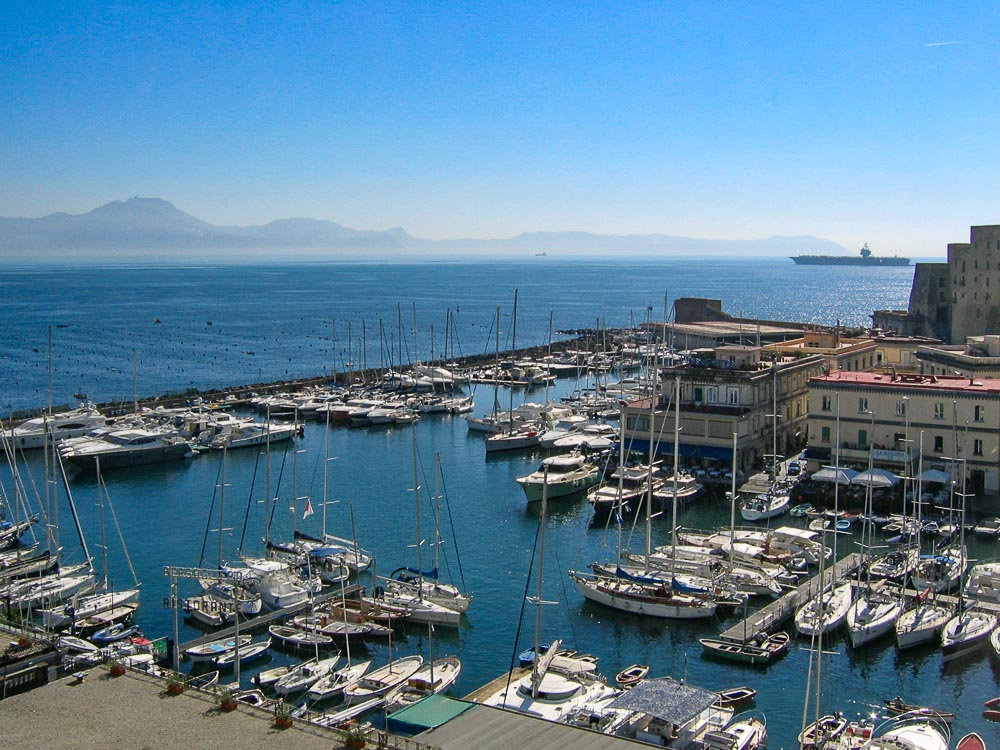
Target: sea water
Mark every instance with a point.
(275, 321)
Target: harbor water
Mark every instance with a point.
(275, 322)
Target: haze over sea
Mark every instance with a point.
(235, 323)
(276, 321)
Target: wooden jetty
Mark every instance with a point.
(775, 613)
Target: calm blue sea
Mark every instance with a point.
(270, 322)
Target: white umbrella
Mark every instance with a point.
(876, 478)
(936, 475)
(832, 474)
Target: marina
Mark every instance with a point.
(371, 498)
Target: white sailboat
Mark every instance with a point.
(648, 594)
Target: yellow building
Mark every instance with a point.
(886, 417)
(734, 392)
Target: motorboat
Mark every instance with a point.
(293, 637)
(118, 448)
(559, 476)
(67, 424)
(762, 651)
(209, 651)
(983, 583)
(254, 434)
(623, 491)
(683, 484)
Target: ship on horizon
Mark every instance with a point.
(864, 258)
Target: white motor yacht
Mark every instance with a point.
(74, 423)
(564, 475)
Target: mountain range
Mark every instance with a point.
(155, 227)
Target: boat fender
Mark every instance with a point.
(379, 592)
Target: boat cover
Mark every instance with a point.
(666, 699)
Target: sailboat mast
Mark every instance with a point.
(535, 676)
(416, 505)
(677, 448)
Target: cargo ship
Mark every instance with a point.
(864, 258)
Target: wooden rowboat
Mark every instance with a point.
(991, 714)
(632, 676)
(737, 696)
(971, 741)
(993, 704)
(896, 706)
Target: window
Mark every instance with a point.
(862, 404)
(938, 443)
(980, 413)
(827, 403)
(825, 435)
(939, 410)
(901, 407)
(977, 447)
(734, 396)
(713, 395)
(863, 439)
(637, 424)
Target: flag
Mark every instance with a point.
(308, 511)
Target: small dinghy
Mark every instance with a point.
(251, 652)
(117, 632)
(204, 681)
(631, 676)
(735, 697)
(971, 741)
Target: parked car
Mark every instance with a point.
(794, 468)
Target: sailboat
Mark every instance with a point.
(220, 598)
(429, 599)
(435, 676)
(108, 600)
(514, 438)
(648, 593)
(874, 612)
(545, 692)
(924, 621)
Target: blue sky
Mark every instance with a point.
(857, 122)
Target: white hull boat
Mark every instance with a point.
(871, 616)
(826, 613)
(641, 599)
(377, 683)
(921, 624)
(431, 679)
(966, 632)
(335, 683)
(60, 617)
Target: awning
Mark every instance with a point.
(666, 699)
(664, 448)
(832, 474)
(876, 478)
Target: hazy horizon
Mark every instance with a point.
(853, 123)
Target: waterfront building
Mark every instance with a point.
(955, 299)
(978, 357)
(881, 416)
(734, 391)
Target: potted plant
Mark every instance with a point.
(282, 714)
(116, 667)
(175, 684)
(355, 736)
(226, 698)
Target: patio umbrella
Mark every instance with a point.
(832, 474)
(876, 478)
(936, 475)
